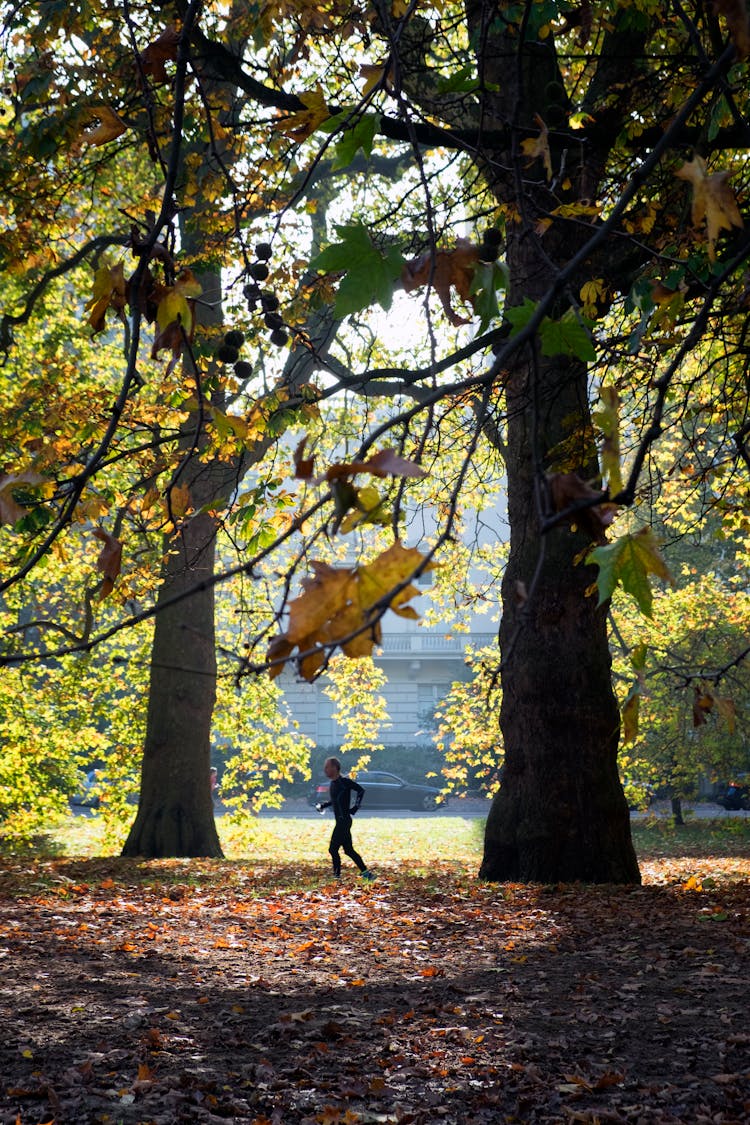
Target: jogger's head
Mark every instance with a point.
(332, 768)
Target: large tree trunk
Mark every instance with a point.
(561, 814)
(175, 813)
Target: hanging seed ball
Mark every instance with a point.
(234, 338)
(242, 369)
(279, 337)
(273, 320)
(490, 247)
(251, 292)
(227, 354)
(263, 251)
(269, 302)
(259, 271)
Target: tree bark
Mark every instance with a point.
(561, 813)
(175, 814)
(175, 811)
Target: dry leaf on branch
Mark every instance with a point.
(567, 490)
(110, 126)
(338, 608)
(162, 50)
(538, 147)
(109, 561)
(714, 201)
(444, 270)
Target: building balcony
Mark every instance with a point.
(432, 644)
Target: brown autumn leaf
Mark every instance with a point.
(336, 609)
(109, 561)
(389, 462)
(162, 50)
(10, 511)
(703, 704)
(713, 201)
(444, 270)
(567, 490)
(110, 126)
(379, 465)
(303, 467)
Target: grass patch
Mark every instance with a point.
(417, 844)
(659, 838)
(419, 841)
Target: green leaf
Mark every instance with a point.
(464, 81)
(628, 562)
(488, 278)
(520, 315)
(567, 336)
(361, 136)
(369, 272)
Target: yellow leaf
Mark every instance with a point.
(300, 125)
(110, 291)
(325, 595)
(372, 76)
(538, 147)
(174, 306)
(713, 201)
(179, 500)
(608, 419)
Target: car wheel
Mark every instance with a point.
(429, 803)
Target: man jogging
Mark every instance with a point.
(340, 791)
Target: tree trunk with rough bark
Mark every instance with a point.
(175, 814)
(175, 811)
(561, 814)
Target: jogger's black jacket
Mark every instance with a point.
(340, 791)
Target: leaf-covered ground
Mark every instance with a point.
(257, 992)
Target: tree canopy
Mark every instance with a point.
(213, 220)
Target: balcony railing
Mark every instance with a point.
(434, 643)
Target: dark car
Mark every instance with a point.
(736, 795)
(387, 791)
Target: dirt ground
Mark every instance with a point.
(172, 992)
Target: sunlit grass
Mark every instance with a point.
(417, 843)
